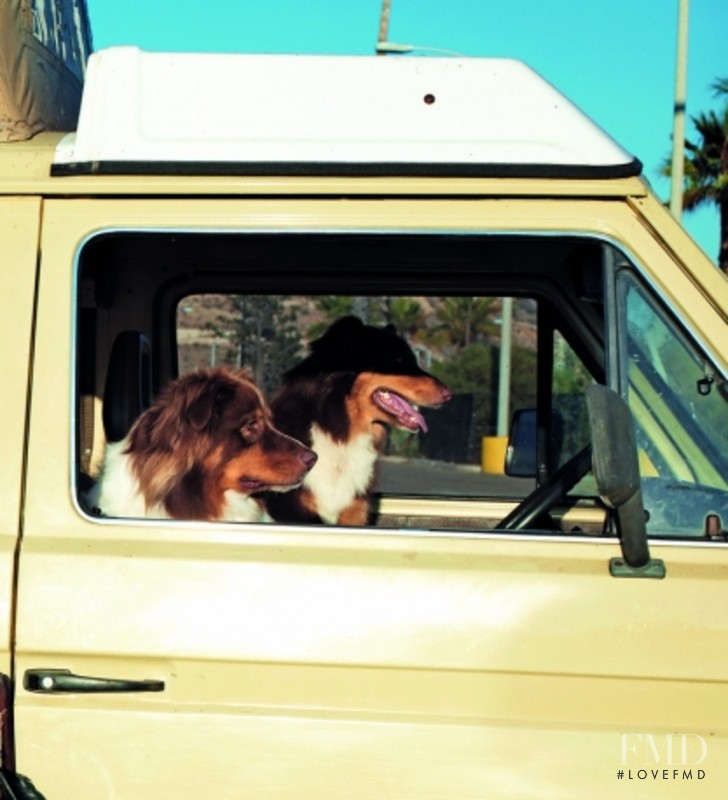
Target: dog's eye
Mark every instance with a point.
(251, 430)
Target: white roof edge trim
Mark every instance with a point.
(147, 107)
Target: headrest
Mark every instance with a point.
(128, 390)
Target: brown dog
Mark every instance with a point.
(203, 448)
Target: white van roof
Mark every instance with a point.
(205, 113)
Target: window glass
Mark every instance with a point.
(680, 406)
(570, 380)
(155, 306)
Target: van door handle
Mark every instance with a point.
(63, 681)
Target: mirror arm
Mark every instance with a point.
(616, 470)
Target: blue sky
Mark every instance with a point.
(615, 59)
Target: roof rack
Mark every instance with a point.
(204, 113)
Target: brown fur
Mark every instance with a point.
(209, 433)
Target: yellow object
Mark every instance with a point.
(493, 457)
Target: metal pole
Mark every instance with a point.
(678, 128)
(504, 368)
(383, 25)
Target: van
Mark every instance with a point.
(549, 628)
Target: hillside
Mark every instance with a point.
(208, 326)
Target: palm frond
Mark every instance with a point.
(720, 86)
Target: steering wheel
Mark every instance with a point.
(543, 499)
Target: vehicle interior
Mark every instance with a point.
(517, 325)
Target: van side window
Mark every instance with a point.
(680, 407)
(154, 306)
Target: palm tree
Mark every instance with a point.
(406, 314)
(262, 332)
(466, 320)
(706, 167)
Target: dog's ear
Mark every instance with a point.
(200, 410)
(185, 407)
(205, 401)
(344, 326)
(335, 341)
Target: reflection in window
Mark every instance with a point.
(681, 414)
(570, 380)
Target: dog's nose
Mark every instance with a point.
(445, 393)
(308, 457)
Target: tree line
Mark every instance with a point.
(706, 166)
(455, 338)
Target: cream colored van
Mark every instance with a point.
(556, 629)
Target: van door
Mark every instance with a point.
(157, 659)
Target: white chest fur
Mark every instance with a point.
(343, 471)
(118, 494)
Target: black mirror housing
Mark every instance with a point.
(522, 444)
(615, 465)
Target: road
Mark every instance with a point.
(420, 476)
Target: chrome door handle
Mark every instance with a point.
(63, 681)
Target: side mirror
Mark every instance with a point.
(522, 444)
(522, 449)
(616, 470)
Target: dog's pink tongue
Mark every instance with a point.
(405, 413)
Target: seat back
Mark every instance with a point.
(128, 388)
